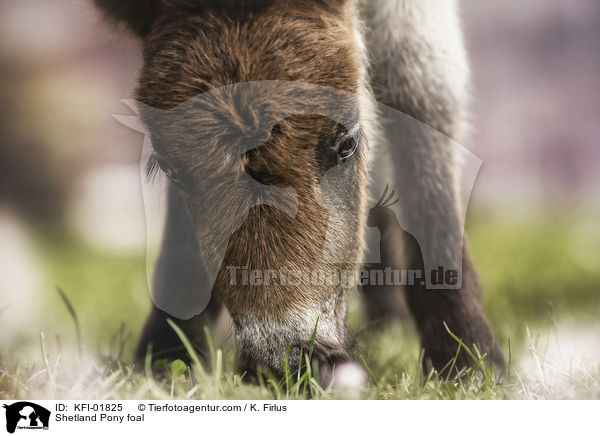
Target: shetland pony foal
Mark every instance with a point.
(407, 55)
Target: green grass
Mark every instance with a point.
(530, 274)
(394, 376)
(531, 280)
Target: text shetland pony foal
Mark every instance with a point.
(417, 66)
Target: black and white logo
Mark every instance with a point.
(26, 416)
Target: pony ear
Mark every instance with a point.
(136, 15)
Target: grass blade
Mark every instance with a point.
(74, 317)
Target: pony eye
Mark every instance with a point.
(155, 163)
(348, 147)
(171, 174)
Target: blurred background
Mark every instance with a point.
(72, 214)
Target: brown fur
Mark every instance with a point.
(191, 47)
(186, 56)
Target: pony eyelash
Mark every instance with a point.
(152, 167)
